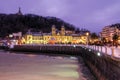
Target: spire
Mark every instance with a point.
(63, 30)
(53, 30)
(19, 12)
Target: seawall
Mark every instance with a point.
(103, 66)
(62, 49)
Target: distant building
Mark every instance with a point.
(18, 34)
(69, 32)
(15, 38)
(19, 12)
(55, 37)
(108, 32)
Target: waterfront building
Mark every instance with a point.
(108, 33)
(33, 37)
(55, 37)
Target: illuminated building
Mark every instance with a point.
(108, 32)
(55, 37)
(33, 38)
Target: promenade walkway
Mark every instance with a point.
(111, 51)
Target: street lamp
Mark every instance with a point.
(87, 34)
(98, 54)
(10, 36)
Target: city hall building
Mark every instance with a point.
(55, 37)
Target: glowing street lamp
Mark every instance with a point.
(74, 46)
(98, 54)
(10, 35)
(87, 34)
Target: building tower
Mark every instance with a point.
(53, 30)
(19, 11)
(62, 31)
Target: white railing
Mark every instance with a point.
(112, 51)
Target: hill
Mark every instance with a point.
(10, 23)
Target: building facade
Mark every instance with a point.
(108, 33)
(55, 37)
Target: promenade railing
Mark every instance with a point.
(108, 50)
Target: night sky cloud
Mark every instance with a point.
(90, 14)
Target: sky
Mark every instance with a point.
(90, 14)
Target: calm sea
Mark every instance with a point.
(30, 66)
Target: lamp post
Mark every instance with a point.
(87, 34)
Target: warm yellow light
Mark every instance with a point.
(87, 33)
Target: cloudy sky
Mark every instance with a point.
(90, 14)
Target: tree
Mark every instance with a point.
(10, 23)
(94, 37)
(115, 39)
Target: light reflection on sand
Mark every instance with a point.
(37, 67)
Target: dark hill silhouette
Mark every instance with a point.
(10, 23)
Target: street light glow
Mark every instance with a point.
(10, 35)
(89, 49)
(98, 54)
(74, 46)
(87, 33)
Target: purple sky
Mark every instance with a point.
(89, 14)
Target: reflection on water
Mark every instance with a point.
(38, 67)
